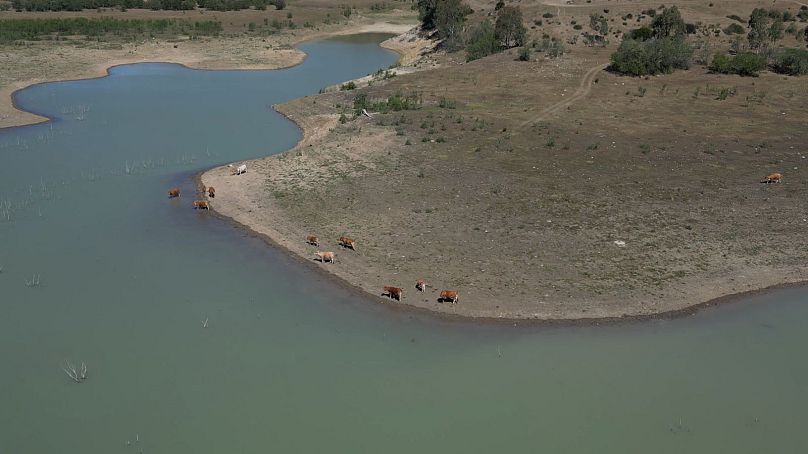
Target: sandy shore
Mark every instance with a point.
(282, 199)
(243, 200)
(41, 63)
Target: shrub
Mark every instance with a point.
(654, 56)
(482, 41)
(743, 64)
(734, 29)
(735, 17)
(793, 62)
(524, 54)
(641, 34)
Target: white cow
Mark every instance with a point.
(237, 170)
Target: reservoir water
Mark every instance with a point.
(99, 267)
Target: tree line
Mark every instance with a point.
(663, 48)
(448, 19)
(78, 5)
(34, 29)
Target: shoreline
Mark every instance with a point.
(271, 233)
(460, 318)
(17, 116)
(307, 136)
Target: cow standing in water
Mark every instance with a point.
(346, 242)
(211, 192)
(449, 295)
(201, 205)
(393, 292)
(173, 192)
(772, 178)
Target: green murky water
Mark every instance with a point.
(290, 362)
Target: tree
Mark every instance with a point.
(449, 17)
(669, 23)
(426, 13)
(775, 30)
(509, 28)
(482, 41)
(758, 28)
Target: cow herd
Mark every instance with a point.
(395, 293)
(197, 204)
(389, 291)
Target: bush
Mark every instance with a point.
(736, 18)
(482, 42)
(743, 64)
(793, 62)
(734, 29)
(524, 54)
(654, 56)
(641, 34)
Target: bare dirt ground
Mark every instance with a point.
(547, 189)
(23, 64)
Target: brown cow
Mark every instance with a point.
(346, 242)
(773, 178)
(313, 240)
(420, 285)
(325, 256)
(449, 295)
(211, 192)
(201, 204)
(393, 292)
(173, 192)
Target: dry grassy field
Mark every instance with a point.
(551, 188)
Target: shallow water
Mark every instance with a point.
(290, 362)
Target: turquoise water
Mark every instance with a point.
(290, 362)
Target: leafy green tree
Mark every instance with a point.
(509, 28)
(426, 13)
(450, 16)
(482, 41)
(668, 24)
(775, 30)
(758, 28)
